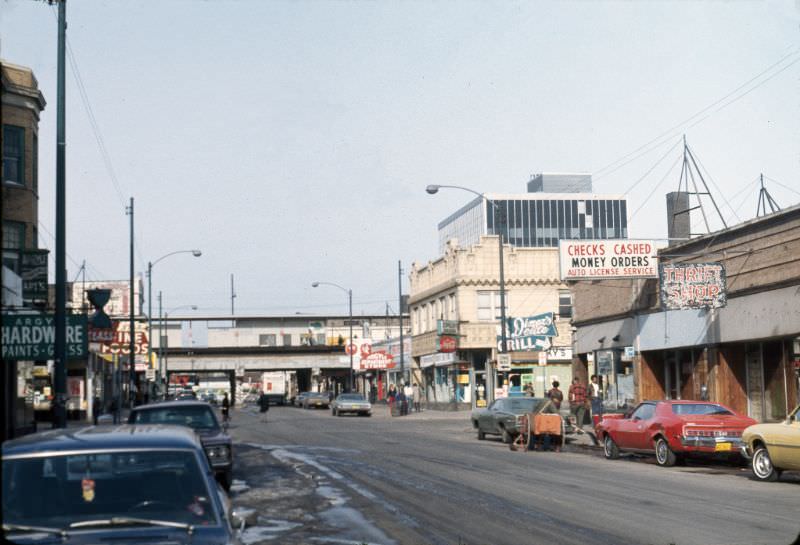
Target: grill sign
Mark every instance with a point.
(591, 259)
(692, 285)
(531, 333)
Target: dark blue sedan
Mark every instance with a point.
(126, 484)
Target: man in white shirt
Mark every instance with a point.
(409, 392)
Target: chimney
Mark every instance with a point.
(678, 218)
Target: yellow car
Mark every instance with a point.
(773, 448)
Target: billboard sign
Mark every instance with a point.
(595, 259)
(32, 336)
(530, 333)
(692, 285)
(377, 360)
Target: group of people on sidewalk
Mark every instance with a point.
(585, 398)
(403, 398)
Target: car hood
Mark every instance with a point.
(213, 437)
(139, 535)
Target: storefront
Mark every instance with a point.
(539, 369)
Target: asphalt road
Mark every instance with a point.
(426, 479)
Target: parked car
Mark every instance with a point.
(317, 400)
(209, 397)
(501, 416)
(199, 416)
(673, 430)
(773, 448)
(351, 403)
(131, 484)
(298, 400)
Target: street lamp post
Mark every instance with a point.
(195, 253)
(432, 190)
(349, 293)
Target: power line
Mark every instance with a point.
(655, 188)
(783, 186)
(635, 154)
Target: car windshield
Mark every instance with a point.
(319, 394)
(699, 408)
(522, 405)
(63, 489)
(193, 416)
(351, 397)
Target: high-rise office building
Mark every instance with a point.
(538, 218)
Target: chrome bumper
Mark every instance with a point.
(711, 442)
(744, 450)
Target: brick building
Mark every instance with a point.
(744, 354)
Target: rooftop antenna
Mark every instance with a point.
(764, 198)
(691, 172)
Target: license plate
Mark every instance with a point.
(722, 447)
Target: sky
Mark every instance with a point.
(291, 142)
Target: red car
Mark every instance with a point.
(673, 430)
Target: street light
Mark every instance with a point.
(195, 253)
(350, 304)
(432, 189)
(161, 353)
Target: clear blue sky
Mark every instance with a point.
(292, 141)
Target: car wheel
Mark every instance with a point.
(481, 435)
(507, 437)
(226, 479)
(762, 466)
(664, 455)
(610, 448)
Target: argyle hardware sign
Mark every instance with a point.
(692, 285)
(530, 333)
(33, 336)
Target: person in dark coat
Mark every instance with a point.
(263, 404)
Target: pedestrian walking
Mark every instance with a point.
(555, 395)
(409, 393)
(577, 402)
(114, 410)
(402, 402)
(417, 395)
(391, 398)
(95, 409)
(596, 397)
(226, 407)
(529, 389)
(263, 405)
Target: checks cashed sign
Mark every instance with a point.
(595, 259)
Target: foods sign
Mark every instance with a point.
(377, 360)
(593, 259)
(692, 285)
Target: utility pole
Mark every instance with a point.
(400, 317)
(132, 307)
(233, 295)
(60, 341)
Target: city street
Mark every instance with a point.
(426, 479)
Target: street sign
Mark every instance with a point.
(350, 349)
(629, 352)
(150, 374)
(504, 362)
(32, 336)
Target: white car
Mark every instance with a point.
(351, 403)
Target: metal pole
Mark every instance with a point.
(150, 319)
(132, 306)
(161, 371)
(60, 348)
(502, 295)
(350, 299)
(400, 316)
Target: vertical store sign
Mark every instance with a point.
(34, 275)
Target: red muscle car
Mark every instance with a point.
(673, 429)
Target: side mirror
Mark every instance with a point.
(242, 516)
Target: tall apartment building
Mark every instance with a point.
(557, 206)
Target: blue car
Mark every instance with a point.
(126, 484)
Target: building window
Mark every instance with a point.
(35, 164)
(267, 339)
(287, 340)
(13, 155)
(321, 339)
(13, 244)
(489, 306)
(564, 304)
(451, 311)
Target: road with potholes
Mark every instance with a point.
(426, 479)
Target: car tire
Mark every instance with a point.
(506, 437)
(481, 435)
(664, 455)
(226, 479)
(762, 465)
(610, 448)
